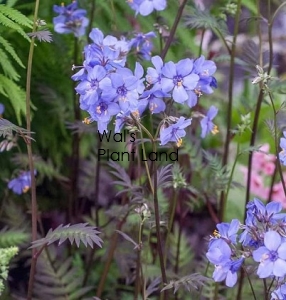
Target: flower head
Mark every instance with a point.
(179, 79)
(207, 124)
(279, 293)
(2, 109)
(175, 132)
(146, 7)
(271, 256)
(21, 184)
(282, 154)
(70, 19)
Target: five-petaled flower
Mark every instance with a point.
(22, 183)
(174, 132)
(271, 256)
(207, 124)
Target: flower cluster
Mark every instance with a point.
(70, 19)
(146, 7)
(262, 238)
(108, 89)
(263, 168)
(22, 183)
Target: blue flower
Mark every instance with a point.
(90, 87)
(207, 124)
(179, 79)
(282, 154)
(205, 69)
(268, 213)
(174, 132)
(122, 89)
(219, 254)
(154, 75)
(279, 293)
(142, 44)
(227, 231)
(70, 19)
(2, 109)
(271, 256)
(21, 184)
(146, 7)
(154, 100)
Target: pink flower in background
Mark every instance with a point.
(263, 166)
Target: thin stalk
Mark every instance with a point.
(172, 211)
(91, 16)
(230, 100)
(30, 156)
(231, 175)
(265, 289)
(157, 221)
(276, 143)
(75, 148)
(96, 194)
(173, 29)
(109, 259)
(138, 263)
(201, 42)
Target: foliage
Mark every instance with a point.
(78, 233)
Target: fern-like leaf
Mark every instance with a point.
(42, 35)
(15, 16)
(77, 233)
(11, 24)
(7, 128)
(197, 18)
(56, 279)
(7, 46)
(15, 94)
(12, 237)
(45, 168)
(190, 282)
(8, 69)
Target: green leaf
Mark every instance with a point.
(11, 24)
(12, 237)
(7, 128)
(7, 67)
(251, 5)
(15, 16)
(77, 233)
(7, 46)
(15, 94)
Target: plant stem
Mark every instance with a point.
(75, 148)
(173, 29)
(96, 221)
(157, 221)
(138, 263)
(276, 143)
(30, 156)
(230, 100)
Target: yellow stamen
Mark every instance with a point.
(25, 189)
(215, 130)
(216, 234)
(86, 121)
(179, 142)
(179, 83)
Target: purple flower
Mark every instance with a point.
(154, 100)
(145, 7)
(207, 124)
(205, 69)
(122, 89)
(271, 256)
(142, 44)
(154, 75)
(279, 293)
(227, 231)
(70, 19)
(219, 254)
(22, 183)
(174, 132)
(2, 108)
(282, 154)
(179, 79)
(90, 87)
